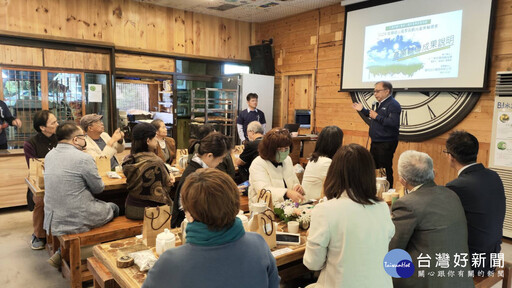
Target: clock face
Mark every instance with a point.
(425, 114)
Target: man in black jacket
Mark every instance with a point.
(384, 127)
(6, 118)
(482, 195)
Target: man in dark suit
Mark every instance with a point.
(482, 195)
(384, 127)
(429, 221)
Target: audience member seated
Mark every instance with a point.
(166, 148)
(255, 135)
(71, 178)
(338, 242)
(329, 141)
(45, 123)
(218, 252)
(429, 221)
(98, 141)
(226, 165)
(208, 152)
(148, 180)
(482, 195)
(273, 169)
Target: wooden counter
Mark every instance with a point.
(13, 170)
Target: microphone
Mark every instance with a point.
(374, 103)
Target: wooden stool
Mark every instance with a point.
(72, 266)
(100, 274)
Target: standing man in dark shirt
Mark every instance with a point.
(482, 196)
(384, 127)
(6, 118)
(255, 134)
(248, 115)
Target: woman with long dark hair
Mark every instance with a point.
(148, 180)
(208, 152)
(338, 242)
(328, 142)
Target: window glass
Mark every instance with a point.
(65, 96)
(236, 69)
(132, 96)
(93, 104)
(22, 94)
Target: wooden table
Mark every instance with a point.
(107, 253)
(110, 184)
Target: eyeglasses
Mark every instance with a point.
(379, 90)
(80, 135)
(447, 152)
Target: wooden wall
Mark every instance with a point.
(51, 58)
(130, 24)
(314, 40)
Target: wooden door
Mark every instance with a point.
(300, 97)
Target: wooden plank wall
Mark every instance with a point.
(130, 24)
(314, 40)
(51, 58)
(76, 60)
(146, 63)
(26, 56)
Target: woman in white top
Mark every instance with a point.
(329, 141)
(339, 242)
(273, 169)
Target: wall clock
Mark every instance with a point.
(425, 114)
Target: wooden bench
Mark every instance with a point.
(488, 282)
(73, 267)
(101, 276)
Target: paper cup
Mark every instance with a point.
(293, 227)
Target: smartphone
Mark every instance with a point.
(287, 238)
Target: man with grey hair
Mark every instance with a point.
(255, 134)
(384, 126)
(430, 225)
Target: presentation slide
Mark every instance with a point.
(417, 48)
(418, 45)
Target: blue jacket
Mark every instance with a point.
(385, 128)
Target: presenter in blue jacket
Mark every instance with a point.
(384, 126)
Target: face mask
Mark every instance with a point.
(280, 156)
(82, 147)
